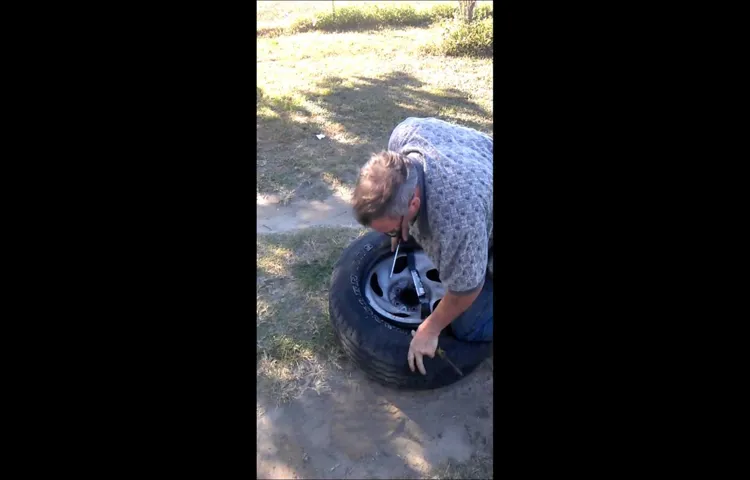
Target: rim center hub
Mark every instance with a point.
(403, 295)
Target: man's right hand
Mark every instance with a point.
(404, 234)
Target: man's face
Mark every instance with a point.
(387, 225)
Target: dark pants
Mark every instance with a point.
(475, 324)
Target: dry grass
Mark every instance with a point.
(297, 350)
(354, 88)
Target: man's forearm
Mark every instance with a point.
(449, 308)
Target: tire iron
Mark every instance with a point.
(395, 255)
(411, 262)
(442, 354)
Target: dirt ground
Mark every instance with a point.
(274, 216)
(362, 429)
(358, 428)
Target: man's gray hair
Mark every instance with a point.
(385, 186)
(400, 204)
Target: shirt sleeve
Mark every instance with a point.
(464, 262)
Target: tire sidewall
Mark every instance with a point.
(368, 333)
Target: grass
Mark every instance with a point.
(282, 14)
(460, 39)
(475, 467)
(279, 18)
(297, 350)
(375, 17)
(365, 17)
(354, 88)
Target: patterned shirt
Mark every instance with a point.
(454, 223)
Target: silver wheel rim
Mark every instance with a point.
(396, 298)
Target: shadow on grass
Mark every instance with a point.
(288, 152)
(372, 107)
(359, 115)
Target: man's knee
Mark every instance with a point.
(480, 331)
(475, 324)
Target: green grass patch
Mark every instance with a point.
(461, 39)
(317, 272)
(450, 12)
(483, 12)
(444, 12)
(365, 17)
(296, 347)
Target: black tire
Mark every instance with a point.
(377, 346)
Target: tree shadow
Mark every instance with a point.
(370, 108)
(358, 114)
(287, 147)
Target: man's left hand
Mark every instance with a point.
(423, 343)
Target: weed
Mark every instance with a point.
(302, 25)
(444, 12)
(461, 39)
(366, 17)
(483, 12)
(450, 12)
(269, 31)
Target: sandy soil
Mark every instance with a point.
(362, 429)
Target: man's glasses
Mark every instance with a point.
(396, 232)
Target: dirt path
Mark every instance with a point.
(362, 429)
(273, 217)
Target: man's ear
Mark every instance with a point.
(414, 206)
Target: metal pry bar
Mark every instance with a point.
(395, 255)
